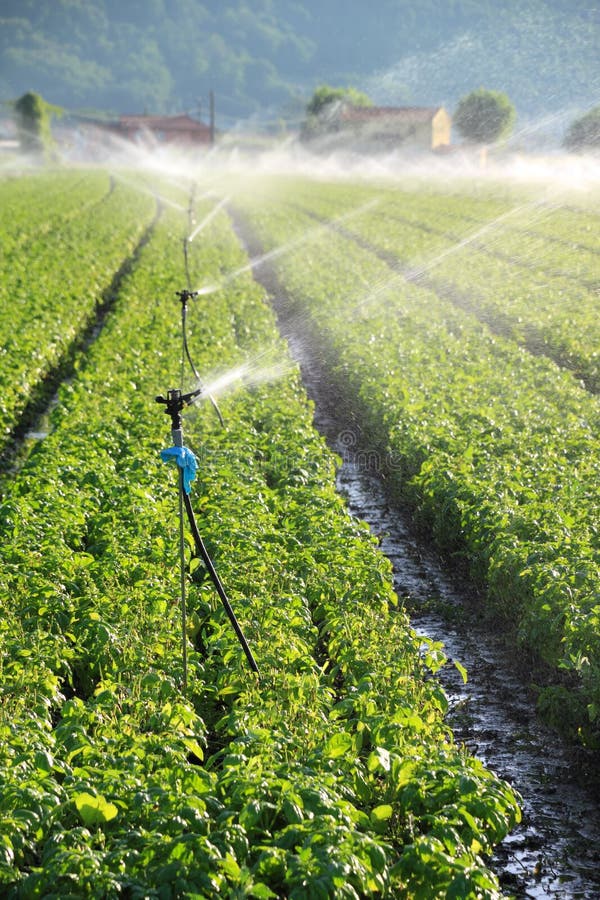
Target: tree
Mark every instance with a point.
(326, 95)
(484, 116)
(584, 132)
(34, 116)
(323, 104)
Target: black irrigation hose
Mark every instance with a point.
(184, 296)
(174, 403)
(217, 581)
(186, 349)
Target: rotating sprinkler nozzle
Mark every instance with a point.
(186, 295)
(174, 402)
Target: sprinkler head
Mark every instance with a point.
(175, 400)
(186, 295)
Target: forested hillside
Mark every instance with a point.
(263, 58)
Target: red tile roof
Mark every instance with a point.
(413, 114)
(163, 123)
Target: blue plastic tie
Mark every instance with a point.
(186, 461)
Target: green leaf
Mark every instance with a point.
(381, 813)
(195, 561)
(262, 892)
(194, 747)
(380, 757)
(462, 670)
(338, 745)
(94, 810)
(231, 868)
(43, 761)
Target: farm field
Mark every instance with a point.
(334, 772)
(475, 386)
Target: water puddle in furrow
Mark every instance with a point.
(555, 851)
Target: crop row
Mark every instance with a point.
(496, 450)
(502, 215)
(334, 774)
(36, 205)
(52, 285)
(537, 288)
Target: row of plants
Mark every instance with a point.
(538, 288)
(333, 773)
(53, 284)
(527, 214)
(45, 200)
(495, 449)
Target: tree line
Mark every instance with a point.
(482, 117)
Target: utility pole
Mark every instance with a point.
(211, 100)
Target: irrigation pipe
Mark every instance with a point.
(186, 461)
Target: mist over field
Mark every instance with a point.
(263, 59)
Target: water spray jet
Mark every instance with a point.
(290, 245)
(150, 192)
(248, 372)
(208, 218)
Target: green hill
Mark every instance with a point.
(263, 58)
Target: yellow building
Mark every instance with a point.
(389, 128)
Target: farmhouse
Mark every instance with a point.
(87, 138)
(180, 129)
(388, 128)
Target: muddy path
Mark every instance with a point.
(555, 851)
